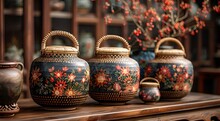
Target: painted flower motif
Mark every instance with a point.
(177, 87)
(165, 71)
(71, 77)
(186, 75)
(117, 87)
(70, 92)
(179, 69)
(160, 77)
(65, 68)
(58, 74)
(128, 80)
(135, 87)
(186, 87)
(125, 71)
(101, 78)
(51, 69)
(175, 74)
(61, 84)
(83, 80)
(138, 73)
(51, 79)
(181, 78)
(79, 69)
(35, 75)
(57, 91)
(118, 67)
(128, 89)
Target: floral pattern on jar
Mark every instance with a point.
(117, 78)
(149, 95)
(172, 77)
(59, 81)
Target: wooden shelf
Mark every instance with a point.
(18, 12)
(92, 110)
(87, 19)
(61, 14)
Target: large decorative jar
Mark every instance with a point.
(11, 80)
(58, 78)
(172, 70)
(114, 75)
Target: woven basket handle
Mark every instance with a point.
(150, 78)
(60, 33)
(171, 40)
(114, 37)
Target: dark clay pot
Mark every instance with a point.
(149, 90)
(114, 75)
(59, 80)
(11, 80)
(172, 70)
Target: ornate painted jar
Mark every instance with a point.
(59, 80)
(149, 91)
(172, 70)
(114, 76)
(11, 80)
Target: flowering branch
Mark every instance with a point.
(165, 18)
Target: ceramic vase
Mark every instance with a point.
(59, 80)
(114, 75)
(149, 90)
(11, 80)
(172, 70)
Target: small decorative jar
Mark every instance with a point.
(58, 78)
(114, 75)
(172, 70)
(149, 91)
(11, 80)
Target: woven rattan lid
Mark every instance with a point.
(177, 52)
(171, 52)
(60, 49)
(113, 50)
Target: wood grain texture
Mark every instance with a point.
(211, 114)
(46, 20)
(2, 40)
(91, 110)
(28, 38)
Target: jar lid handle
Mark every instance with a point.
(114, 37)
(150, 78)
(171, 40)
(60, 33)
(20, 66)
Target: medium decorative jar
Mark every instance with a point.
(172, 70)
(59, 80)
(11, 80)
(149, 91)
(114, 76)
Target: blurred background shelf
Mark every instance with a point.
(24, 24)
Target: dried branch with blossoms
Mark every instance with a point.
(156, 19)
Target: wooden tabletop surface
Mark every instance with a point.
(92, 110)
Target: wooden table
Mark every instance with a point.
(194, 106)
(207, 73)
